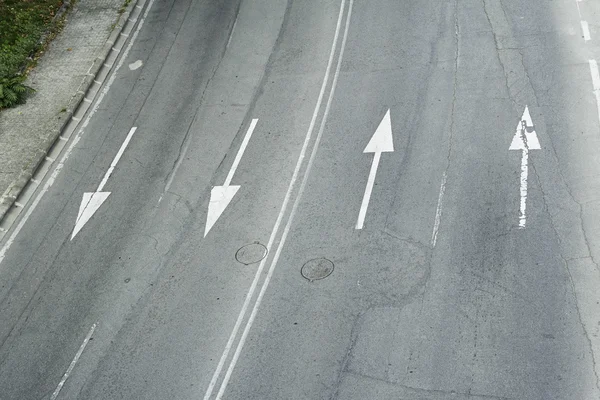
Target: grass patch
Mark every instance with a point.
(23, 24)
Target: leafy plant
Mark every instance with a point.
(13, 91)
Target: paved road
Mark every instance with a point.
(451, 289)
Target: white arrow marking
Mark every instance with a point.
(381, 141)
(525, 139)
(92, 201)
(221, 196)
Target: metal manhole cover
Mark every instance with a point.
(251, 253)
(316, 269)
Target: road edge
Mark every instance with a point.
(68, 121)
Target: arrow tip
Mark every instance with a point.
(382, 140)
(90, 203)
(220, 197)
(531, 140)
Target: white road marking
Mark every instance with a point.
(221, 196)
(525, 139)
(523, 189)
(282, 211)
(116, 159)
(76, 139)
(240, 152)
(292, 213)
(382, 141)
(438, 211)
(72, 365)
(586, 31)
(596, 83)
(135, 65)
(92, 201)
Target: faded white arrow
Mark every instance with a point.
(221, 196)
(382, 141)
(525, 139)
(92, 201)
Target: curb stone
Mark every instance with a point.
(67, 121)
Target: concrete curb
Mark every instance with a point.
(67, 121)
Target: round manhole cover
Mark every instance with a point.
(316, 269)
(251, 253)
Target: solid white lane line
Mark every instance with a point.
(596, 83)
(72, 365)
(523, 190)
(360, 223)
(116, 159)
(292, 213)
(76, 139)
(438, 211)
(586, 31)
(282, 211)
(240, 152)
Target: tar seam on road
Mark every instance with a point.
(76, 139)
(438, 211)
(72, 365)
(286, 200)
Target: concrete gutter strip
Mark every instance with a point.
(113, 45)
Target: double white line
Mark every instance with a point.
(345, 8)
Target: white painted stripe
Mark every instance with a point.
(523, 191)
(438, 211)
(586, 31)
(595, 74)
(596, 83)
(72, 365)
(116, 159)
(292, 213)
(76, 139)
(240, 152)
(283, 210)
(360, 223)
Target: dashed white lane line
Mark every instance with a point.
(596, 83)
(438, 211)
(282, 212)
(76, 139)
(586, 31)
(72, 365)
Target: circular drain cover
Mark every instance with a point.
(251, 253)
(316, 269)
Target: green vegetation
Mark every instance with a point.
(23, 24)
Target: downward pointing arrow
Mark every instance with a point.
(221, 196)
(382, 141)
(92, 201)
(89, 205)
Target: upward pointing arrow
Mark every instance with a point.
(525, 139)
(381, 142)
(91, 201)
(221, 196)
(525, 136)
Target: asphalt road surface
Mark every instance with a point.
(434, 166)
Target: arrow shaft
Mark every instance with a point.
(524, 176)
(116, 159)
(367, 197)
(240, 152)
